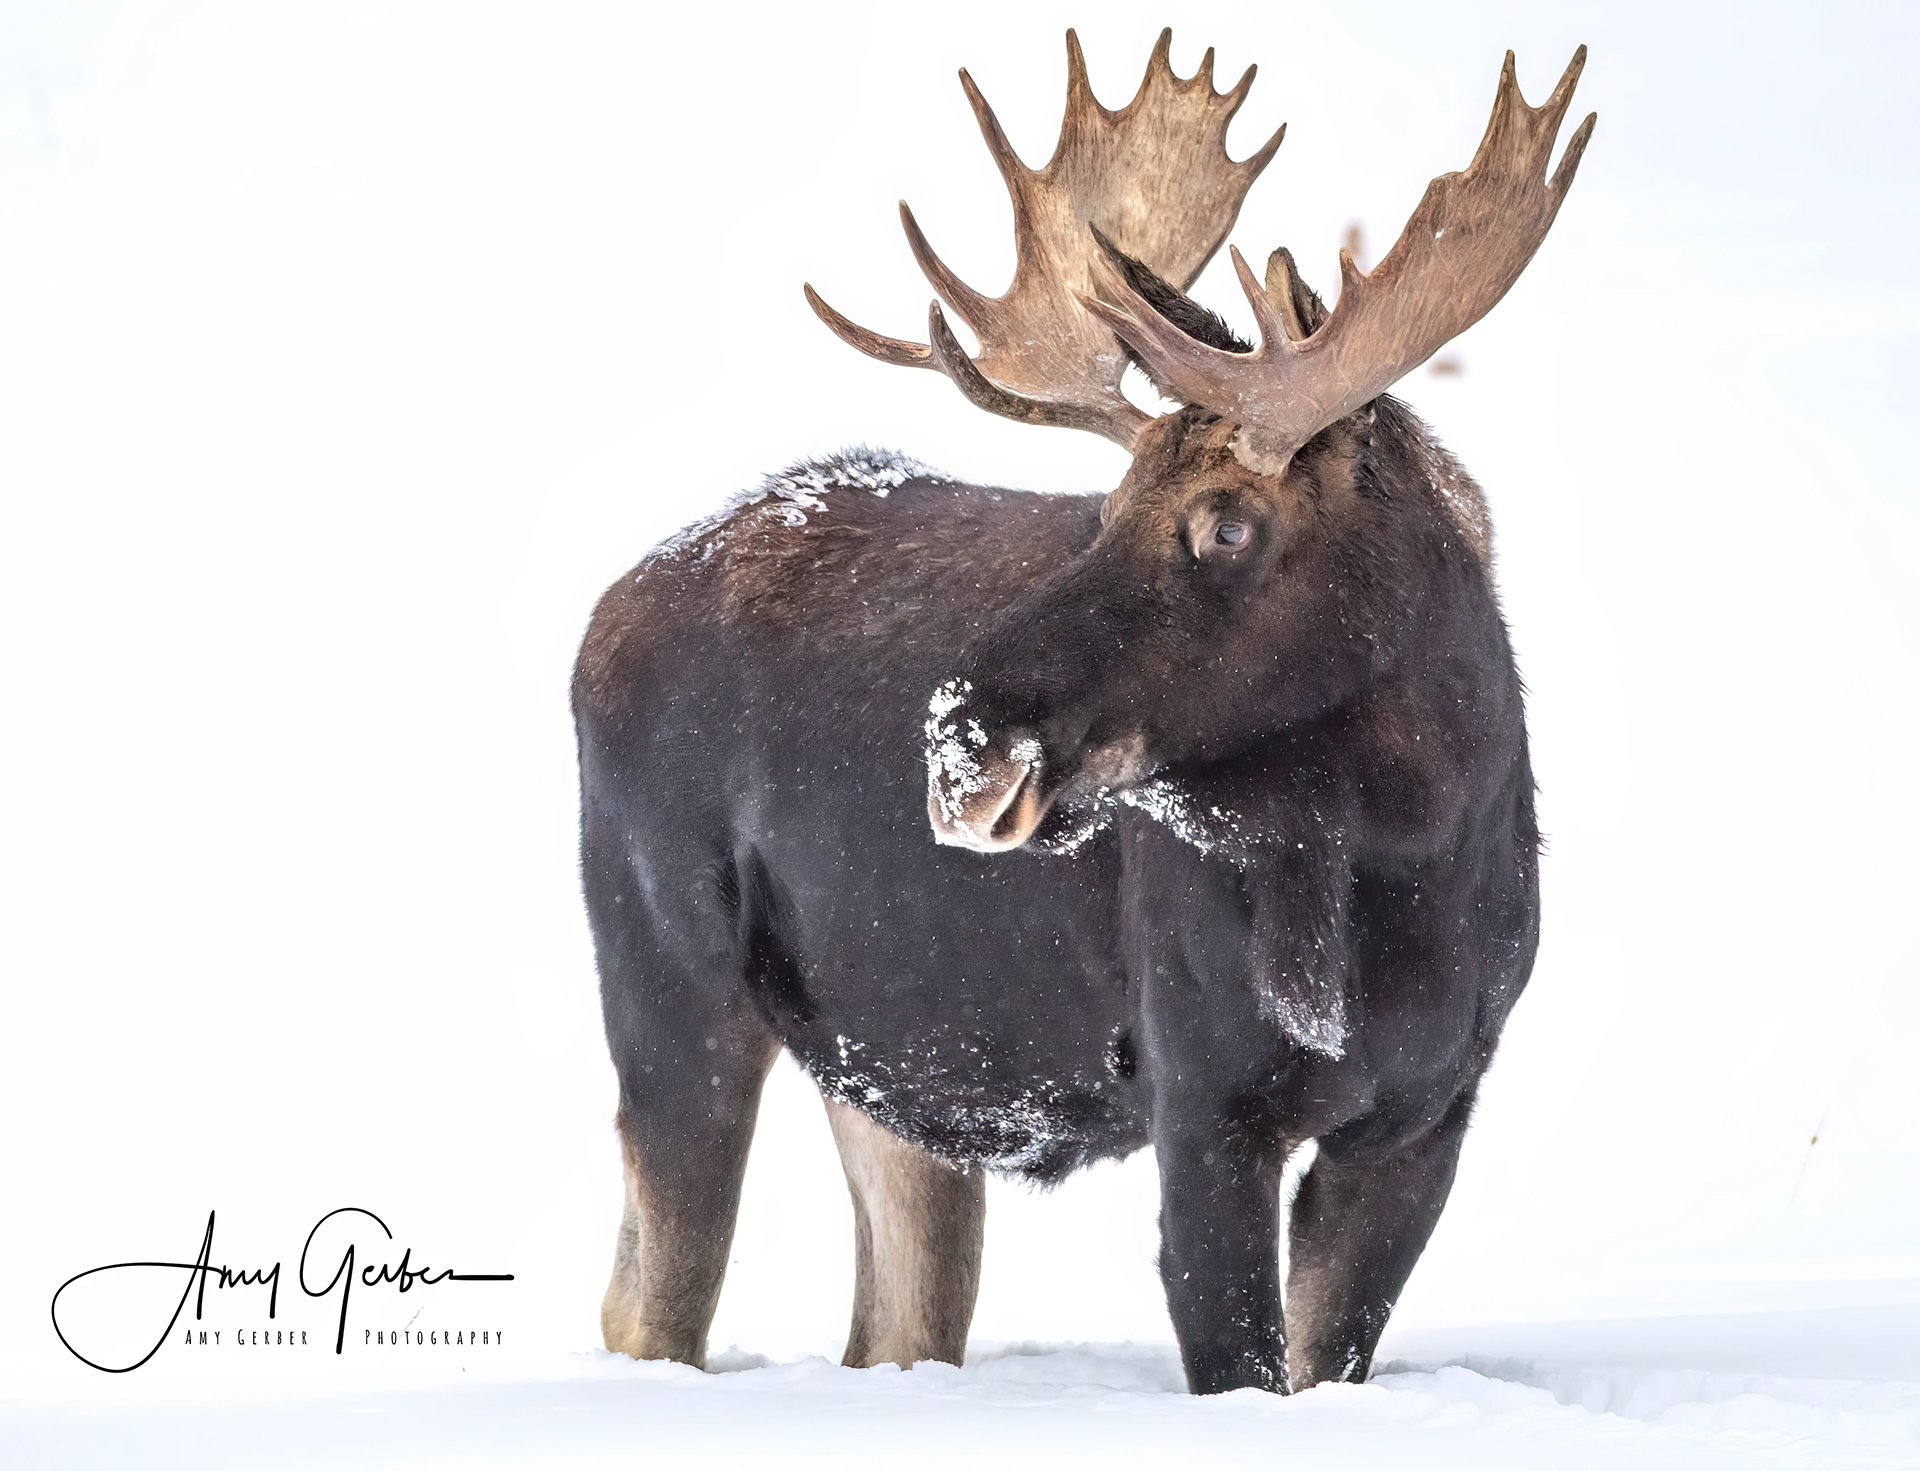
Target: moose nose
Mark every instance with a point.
(990, 806)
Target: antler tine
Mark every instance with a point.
(1080, 96)
(1576, 149)
(1257, 164)
(1555, 107)
(974, 308)
(1465, 245)
(1159, 64)
(1237, 93)
(990, 129)
(873, 344)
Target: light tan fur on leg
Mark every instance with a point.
(919, 1224)
(669, 1261)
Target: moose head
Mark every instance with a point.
(1247, 572)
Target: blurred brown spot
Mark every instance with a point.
(1356, 245)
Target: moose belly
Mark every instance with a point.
(974, 1005)
(971, 1098)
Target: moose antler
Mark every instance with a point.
(1154, 177)
(1466, 244)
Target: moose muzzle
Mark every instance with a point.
(989, 802)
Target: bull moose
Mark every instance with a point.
(1040, 828)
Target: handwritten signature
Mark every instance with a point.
(200, 1271)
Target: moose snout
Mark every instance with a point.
(984, 775)
(989, 801)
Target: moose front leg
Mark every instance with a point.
(1220, 1258)
(1360, 1223)
(1243, 976)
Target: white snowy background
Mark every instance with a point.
(348, 350)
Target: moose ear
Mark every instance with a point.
(1172, 303)
(1308, 309)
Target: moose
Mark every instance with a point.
(1041, 828)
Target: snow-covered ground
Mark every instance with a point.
(348, 351)
(1834, 1387)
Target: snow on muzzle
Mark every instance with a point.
(998, 809)
(982, 793)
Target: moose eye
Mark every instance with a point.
(1226, 542)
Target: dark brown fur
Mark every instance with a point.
(1332, 961)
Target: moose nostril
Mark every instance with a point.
(994, 803)
(1008, 821)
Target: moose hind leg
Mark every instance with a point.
(691, 1057)
(685, 1157)
(919, 1224)
(1359, 1224)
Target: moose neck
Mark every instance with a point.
(1160, 648)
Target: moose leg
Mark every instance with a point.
(919, 1224)
(685, 1155)
(690, 1055)
(1359, 1224)
(1220, 1259)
